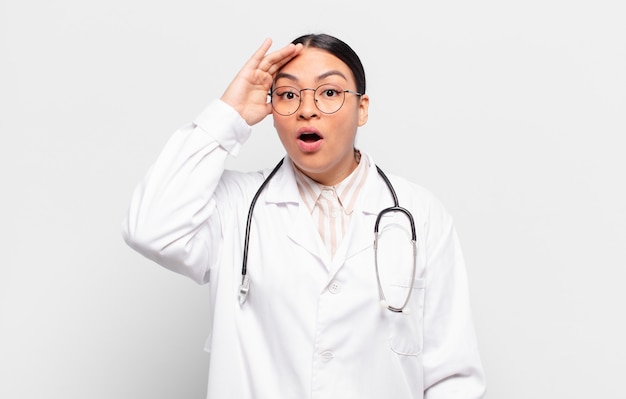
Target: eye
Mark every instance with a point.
(329, 91)
(286, 93)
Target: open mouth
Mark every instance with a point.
(309, 137)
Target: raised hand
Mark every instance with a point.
(247, 93)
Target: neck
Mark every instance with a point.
(336, 176)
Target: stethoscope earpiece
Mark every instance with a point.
(244, 289)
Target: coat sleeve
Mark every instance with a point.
(452, 364)
(172, 216)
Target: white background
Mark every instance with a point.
(512, 113)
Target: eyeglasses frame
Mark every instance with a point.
(271, 92)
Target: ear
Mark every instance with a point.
(363, 109)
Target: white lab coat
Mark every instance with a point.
(312, 326)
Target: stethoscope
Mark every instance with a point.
(244, 288)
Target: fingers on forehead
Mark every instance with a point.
(274, 67)
(259, 54)
(281, 57)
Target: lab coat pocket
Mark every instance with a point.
(407, 329)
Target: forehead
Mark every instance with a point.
(314, 64)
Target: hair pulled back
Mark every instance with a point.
(340, 50)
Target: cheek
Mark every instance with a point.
(349, 126)
(279, 125)
(281, 128)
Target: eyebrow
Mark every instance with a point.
(323, 76)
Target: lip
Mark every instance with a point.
(305, 144)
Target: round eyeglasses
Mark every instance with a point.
(329, 98)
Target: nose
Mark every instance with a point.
(307, 109)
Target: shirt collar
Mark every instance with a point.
(347, 191)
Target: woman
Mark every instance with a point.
(302, 319)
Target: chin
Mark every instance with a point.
(308, 165)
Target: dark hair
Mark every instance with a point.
(340, 50)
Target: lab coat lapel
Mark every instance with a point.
(283, 189)
(373, 198)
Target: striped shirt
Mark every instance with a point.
(331, 206)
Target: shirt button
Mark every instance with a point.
(334, 287)
(334, 214)
(328, 193)
(327, 356)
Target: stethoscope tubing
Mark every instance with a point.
(244, 266)
(245, 282)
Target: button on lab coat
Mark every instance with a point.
(312, 325)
